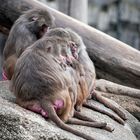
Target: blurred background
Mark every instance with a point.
(118, 18)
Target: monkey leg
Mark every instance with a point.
(87, 123)
(113, 88)
(96, 108)
(80, 116)
(97, 95)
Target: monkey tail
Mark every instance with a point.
(47, 105)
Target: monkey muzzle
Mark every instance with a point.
(73, 48)
(43, 29)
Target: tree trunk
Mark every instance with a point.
(114, 60)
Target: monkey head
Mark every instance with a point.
(76, 43)
(38, 21)
(63, 42)
(59, 32)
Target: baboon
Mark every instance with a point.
(40, 84)
(70, 60)
(81, 55)
(79, 78)
(28, 28)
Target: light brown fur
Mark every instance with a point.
(39, 80)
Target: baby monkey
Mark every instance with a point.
(40, 84)
(28, 28)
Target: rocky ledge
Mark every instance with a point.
(17, 123)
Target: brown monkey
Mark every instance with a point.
(28, 28)
(43, 86)
(82, 89)
(78, 74)
(81, 55)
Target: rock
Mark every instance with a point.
(20, 124)
(129, 103)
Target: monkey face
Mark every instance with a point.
(74, 49)
(39, 21)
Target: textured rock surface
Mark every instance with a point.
(20, 124)
(130, 104)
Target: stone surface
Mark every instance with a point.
(129, 103)
(17, 123)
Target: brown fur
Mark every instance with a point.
(82, 89)
(39, 79)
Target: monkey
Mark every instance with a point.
(28, 28)
(41, 85)
(77, 47)
(81, 55)
(82, 88)
(69, 59)
(82, 85)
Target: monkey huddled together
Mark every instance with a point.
(51, 73)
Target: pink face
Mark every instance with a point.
(74, 50)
